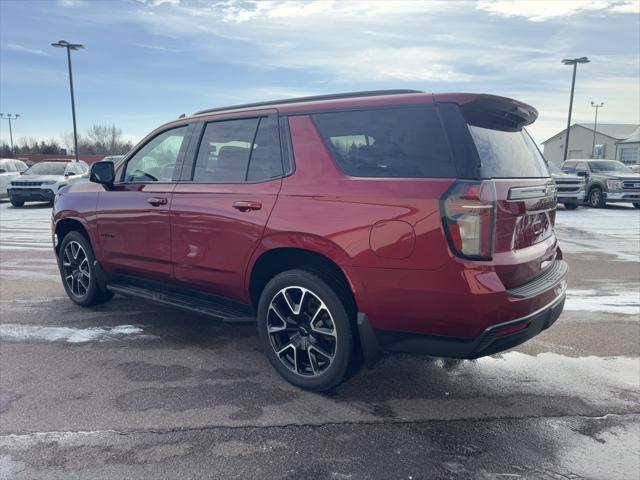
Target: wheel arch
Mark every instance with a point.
(276, 260)
(66, 225)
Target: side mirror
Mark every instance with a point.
(582, 173)
(103, 172)
(68, 174)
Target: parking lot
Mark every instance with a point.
(136, 390)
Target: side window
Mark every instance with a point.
(20, 166)
(393, 142)
(234, 151)
(156, 161)
(71, 170)
(9, 167)
(265, 162)
(582, 166)
(569, 167)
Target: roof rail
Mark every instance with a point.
(315, 98)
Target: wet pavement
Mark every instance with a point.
(133, 390)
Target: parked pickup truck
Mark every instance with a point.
(606, 181)
(570, 188)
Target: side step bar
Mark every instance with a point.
(206, 305)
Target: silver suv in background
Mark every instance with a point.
(10, 168)
(570, 188)
(607, 181)
(41, 182)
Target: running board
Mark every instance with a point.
(227, 311)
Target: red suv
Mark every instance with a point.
(347, 224)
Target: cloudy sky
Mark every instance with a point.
(148, 61)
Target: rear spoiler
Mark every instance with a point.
(491, 111)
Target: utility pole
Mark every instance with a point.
(574, 62)
(595, 127)
(10, 116)
(69, 47)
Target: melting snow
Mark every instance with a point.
(17, 332)
(625, 302)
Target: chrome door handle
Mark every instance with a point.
(157, 201)
(247, 206)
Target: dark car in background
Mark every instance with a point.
(347, 224)
(607, 181)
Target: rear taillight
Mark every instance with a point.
(468, 216)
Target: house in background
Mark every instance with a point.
(609, 136)
(628, 150)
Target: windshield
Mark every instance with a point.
(506, 154)
(609, 166)
(47, 168)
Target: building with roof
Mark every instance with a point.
(628, 150)
(608, 138)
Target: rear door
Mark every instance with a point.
(220, 208)
(133, 217)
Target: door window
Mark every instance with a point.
(156, 161)
(237, 151)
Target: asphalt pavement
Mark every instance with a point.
(134, 390)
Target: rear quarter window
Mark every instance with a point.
(507, 154)
(393, 142)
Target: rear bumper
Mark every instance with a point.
(31, 194)
(496, 338)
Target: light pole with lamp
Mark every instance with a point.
(574, 62)
(595, 126)
(10, 116)
(69, 47)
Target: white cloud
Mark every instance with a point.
(540, 11)
(159, 48)
(21, 48)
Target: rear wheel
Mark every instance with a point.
(570, 206)
(78, 273)
(596, 198)
(305, 330)
(17, 203)
(637, 205)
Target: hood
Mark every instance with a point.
(39, 178)
(619, 175)
(565, 176)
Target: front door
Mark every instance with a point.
(219, 213)
(133, 217)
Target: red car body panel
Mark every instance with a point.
(385, 234)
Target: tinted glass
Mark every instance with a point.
(7, 166)
(569, 167)
(507, 154)
(395, 142)
(265, 161)
(21, 166)
(609, 166)
(224, 151)
(47, 168)
(156, 161)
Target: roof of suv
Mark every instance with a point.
(473, 102)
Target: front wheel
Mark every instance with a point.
(637, 205)
(17, 203)
(596, 198)
(570, 206)
(78, 272)
(305, 330)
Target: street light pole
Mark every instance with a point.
(69, 47)
(574, 62)
(10, 116)
(595, 126)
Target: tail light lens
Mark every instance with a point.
(468, 216)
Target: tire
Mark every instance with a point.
(637, 205)
(596, 198)
(17, 203)
(311, 354)
(570, 206)
(79, 277)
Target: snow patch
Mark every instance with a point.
(625, 302)
(17, 332)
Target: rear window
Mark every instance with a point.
(507, 154)
(392, 142)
